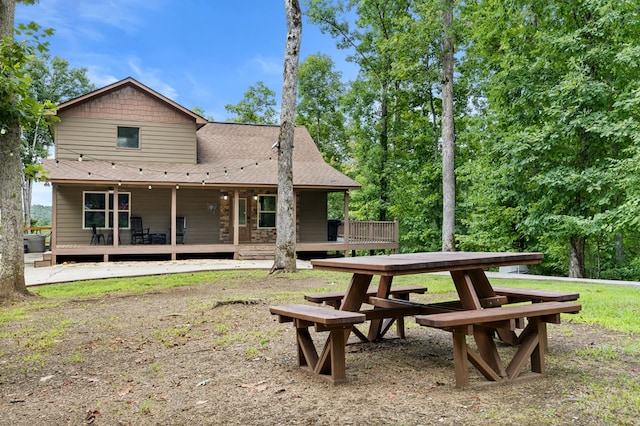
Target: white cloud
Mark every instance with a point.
(150, 78)
(269, 65)
(99, 76)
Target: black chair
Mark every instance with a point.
(96, 236)
(138, 233)
(181, 229)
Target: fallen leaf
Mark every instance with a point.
(45, 378)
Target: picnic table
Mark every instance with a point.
(471, 314)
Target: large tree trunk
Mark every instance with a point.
(448, 135)
(576, 257)
(285, 255)
(12, 284)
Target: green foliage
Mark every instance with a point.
(319, 107)
(257, 106)
(41, 215)
(15, 80)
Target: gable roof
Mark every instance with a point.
(129, 81)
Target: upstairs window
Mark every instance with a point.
(129, 137)
(266, 211)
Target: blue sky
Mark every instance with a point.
(202, 53)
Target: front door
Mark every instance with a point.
(244, 226)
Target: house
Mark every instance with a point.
(137, 175)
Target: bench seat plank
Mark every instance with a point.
(318, 315)
(525, 294)
(480, 316)
(339, 295)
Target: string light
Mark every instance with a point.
(226, 172)
(149, 186)
(177, 186)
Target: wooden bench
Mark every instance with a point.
(515, 295)
(481, 324)
(334, 298)
(331, 362)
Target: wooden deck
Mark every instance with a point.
(371, 235)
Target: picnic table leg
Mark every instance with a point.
(483, 289)
(355, 295)
(384, 288)
(466, 287)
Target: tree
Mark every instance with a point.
(448, 134)
(320, 91)
(51, 81)
(17, 108)
(257, 106)
(560, 81)
(373, 97)
(285, 255)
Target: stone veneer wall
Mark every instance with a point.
(258, 236)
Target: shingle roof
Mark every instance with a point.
(229, 154)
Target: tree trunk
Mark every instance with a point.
(576, 257)
(285, 255)
(27, 192)
(448, 135)
(12, 284)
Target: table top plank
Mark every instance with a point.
(415, 263)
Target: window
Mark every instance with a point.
(266, 211)
(99, 207)
(242, 212)
(128, 137)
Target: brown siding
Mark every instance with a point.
(154, 206)
(69, 217)
(312, 216)
(96, 139)
(203, 226)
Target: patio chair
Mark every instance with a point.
(138, 233)
(96, 236)
(181, 229)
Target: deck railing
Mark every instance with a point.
(373, 231)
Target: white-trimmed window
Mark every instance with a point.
(129, 137)
(98, 208)
(266, 211)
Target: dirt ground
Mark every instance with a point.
(180, 357)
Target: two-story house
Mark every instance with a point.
(137, 175)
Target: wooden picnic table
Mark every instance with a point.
(466, 268)
(462, 317)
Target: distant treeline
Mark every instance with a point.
(41, 215)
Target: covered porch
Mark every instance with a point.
(219, 223)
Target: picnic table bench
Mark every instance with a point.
(481, 323)
(334, 299)
(515, 295)
(331, 363)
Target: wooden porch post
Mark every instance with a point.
(236, 224)
(53, 241)
(115, 226)
(345, 228)
(174, 197)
